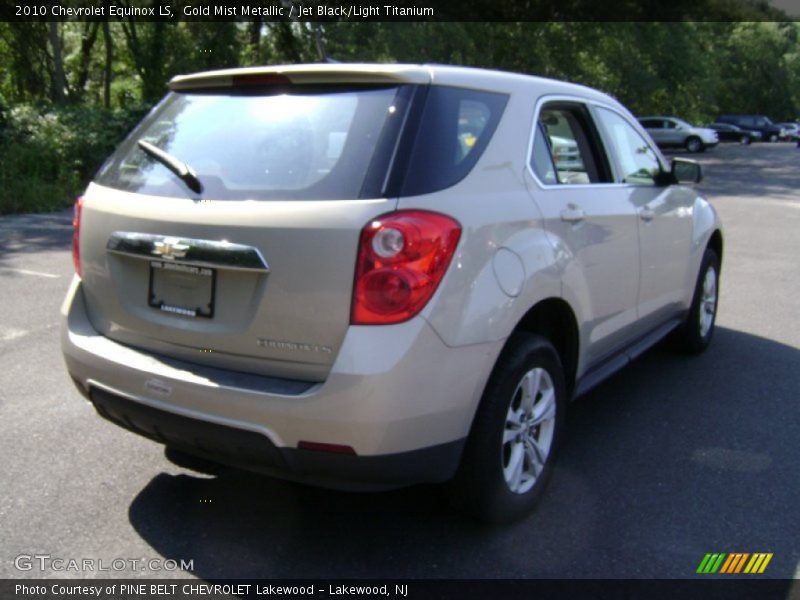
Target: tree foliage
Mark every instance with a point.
(695, 70)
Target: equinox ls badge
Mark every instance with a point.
(293, 346)
(170, 248)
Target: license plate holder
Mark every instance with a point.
(181, 289)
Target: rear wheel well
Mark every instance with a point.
(553, 318)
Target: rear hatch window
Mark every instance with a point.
(310, 143)
(301, 143)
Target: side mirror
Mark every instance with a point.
(686, 171)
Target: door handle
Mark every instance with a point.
(573, 214)
(647, 214)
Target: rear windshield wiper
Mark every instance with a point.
(180, 168)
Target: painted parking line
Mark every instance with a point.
(29, 272)
(12, 334)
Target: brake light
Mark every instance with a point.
(402, 257)
(76, 234)
(260, 79)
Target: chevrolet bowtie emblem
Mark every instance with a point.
(170, 248)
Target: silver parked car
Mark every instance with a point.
(669, 132)
(790, 132)
(369, 276)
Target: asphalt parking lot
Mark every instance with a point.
(672, 458)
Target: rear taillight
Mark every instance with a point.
(402, 257)
(76, 234)
(260, 79)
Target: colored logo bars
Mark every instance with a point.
(737, 562)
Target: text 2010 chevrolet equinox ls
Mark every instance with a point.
(367, 276)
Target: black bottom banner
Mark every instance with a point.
(597, 589)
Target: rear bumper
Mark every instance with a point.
(397, 395)
(255, 452)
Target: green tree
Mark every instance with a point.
(756, 70)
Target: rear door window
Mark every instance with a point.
(565, 146)
(542, 157)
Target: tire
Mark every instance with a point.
(773, 138)
(694, 144)
(745, 140)
(517, 429)
(695, 334)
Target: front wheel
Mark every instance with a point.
(745, 139)
(773, 138)
(518, 426)
(694, 144)
(696, 332)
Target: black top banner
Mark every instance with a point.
(396, 10)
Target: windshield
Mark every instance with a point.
(311, 143)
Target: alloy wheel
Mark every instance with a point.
(529, 428)
(708, 302)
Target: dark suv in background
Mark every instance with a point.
(768, 130)
(731, 133)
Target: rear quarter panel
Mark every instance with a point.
(504, 263)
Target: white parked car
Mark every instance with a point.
(790, 132)
(370, 276)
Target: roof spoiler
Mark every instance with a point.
(303, 74)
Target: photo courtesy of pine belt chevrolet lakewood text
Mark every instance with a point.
(370, 276)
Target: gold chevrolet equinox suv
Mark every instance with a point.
(370, 276)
